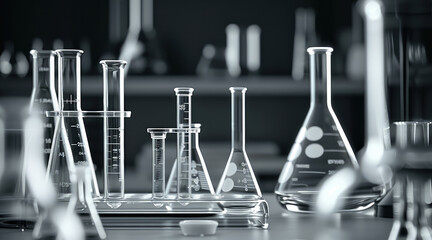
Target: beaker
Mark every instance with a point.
(320, 149)
(71, 147)
(238, 179)
(200, 179)
(113, 99)
(43, 96)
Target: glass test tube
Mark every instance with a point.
(113, 99)
(184, 118)
(158, 142)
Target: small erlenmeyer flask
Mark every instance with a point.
(321, 147)
(200, 179)
(70, 146)
(238, 179)
(43, 96)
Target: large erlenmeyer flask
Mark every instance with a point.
(238, 179)
(200, 179)
(321, 147)
(70, 146)
(43, 96)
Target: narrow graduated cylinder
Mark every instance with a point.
(113, 99)
(43, 97)
(70, 138)
(158, 143)
(184, 118)
(238, 178)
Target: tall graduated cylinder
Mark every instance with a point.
(184, 115)
(113, 100)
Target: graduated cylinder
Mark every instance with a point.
(113, 100)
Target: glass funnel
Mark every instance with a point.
(320, 149)
(71, 147)
(238, 179)
(43, 96)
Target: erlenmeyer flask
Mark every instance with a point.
(70, 146)
(238, 179)
(200, 179)
(321, 147)
(43, 96)
(141, 48)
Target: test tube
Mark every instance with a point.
(184, 115)
(113, 100)
(158, 142)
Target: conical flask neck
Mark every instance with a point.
(320, 75)
(238, 119)
(43, 69)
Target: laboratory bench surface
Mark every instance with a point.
(282, 225)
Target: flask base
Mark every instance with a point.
(305, 202)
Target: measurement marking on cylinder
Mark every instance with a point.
(334, 150)
(315, 172)
(331, 134)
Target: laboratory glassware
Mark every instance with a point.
(71, 147)
(52, 219)
(184, 119)
(411, 163)
(13, 62)
(43, 97)
(377, 135)
(17, 205)
(320, 149)
(113, 72)
(212, 62)
(304, 37)
(158, 154)
(200, 178)
(253, 49)
(141, 48)
(82, 199)
(238, 179)
(232, 50)
(2, 143)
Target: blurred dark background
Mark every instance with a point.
(276, 105)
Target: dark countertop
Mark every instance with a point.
(283, 225)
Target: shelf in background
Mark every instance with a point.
(164, 85)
